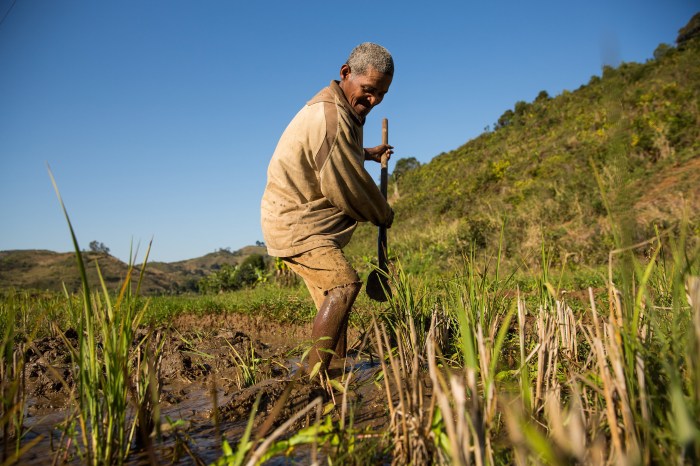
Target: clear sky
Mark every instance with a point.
(158, 117)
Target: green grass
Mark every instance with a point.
(286, 305)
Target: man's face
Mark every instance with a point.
(364, 91)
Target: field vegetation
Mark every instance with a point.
(545, 309)
(470, 370)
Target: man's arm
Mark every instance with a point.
(348, 186)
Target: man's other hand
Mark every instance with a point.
(375, 153)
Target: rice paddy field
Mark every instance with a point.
(475, 367)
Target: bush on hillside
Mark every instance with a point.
(250, 272)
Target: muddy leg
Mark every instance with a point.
(341, 347)
(329, 321)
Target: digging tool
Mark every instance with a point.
(377, 283)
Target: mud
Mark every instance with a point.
(205, 395)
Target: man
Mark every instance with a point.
(318, 189)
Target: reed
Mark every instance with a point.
(105, 360)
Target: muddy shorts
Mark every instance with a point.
(322, 269)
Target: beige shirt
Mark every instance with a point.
(317, 187)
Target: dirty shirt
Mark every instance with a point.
(317, 187)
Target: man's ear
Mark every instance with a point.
(344, 72)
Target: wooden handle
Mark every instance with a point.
(383, 182)
(377, 284)
(385, 158)
(385, 140)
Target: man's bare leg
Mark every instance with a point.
(329, 323)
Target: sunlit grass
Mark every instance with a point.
(285, 305)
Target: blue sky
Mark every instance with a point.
(158, 117)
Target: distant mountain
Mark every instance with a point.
(48, 270)
(579, 173)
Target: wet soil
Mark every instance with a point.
(204, 394)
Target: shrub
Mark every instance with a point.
(231, 278)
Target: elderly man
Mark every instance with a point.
(318, 189)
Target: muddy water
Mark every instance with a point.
(197, 364)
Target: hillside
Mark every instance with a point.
(579, 173)
(628, 140)
(48, 270)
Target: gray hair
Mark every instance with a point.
(368, 55)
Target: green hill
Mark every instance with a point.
(48, 270)
(628, 140)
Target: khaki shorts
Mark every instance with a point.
(323, 269)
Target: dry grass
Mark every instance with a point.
(617, 383)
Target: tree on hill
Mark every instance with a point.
(504, 120)
(689, 31)
(96, 246)
(404, 166)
